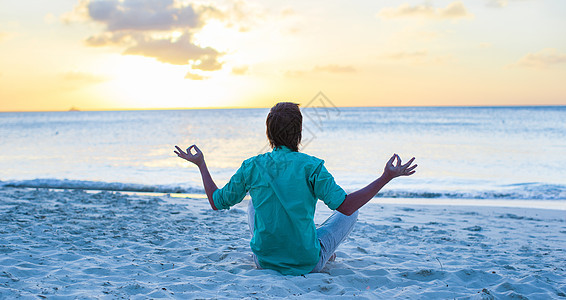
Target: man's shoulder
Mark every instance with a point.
(299, 157)
(257, 158)
(308, 158)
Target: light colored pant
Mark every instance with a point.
(330, 234)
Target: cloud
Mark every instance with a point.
(207, 62)
(543, 59)
(177, 52)
(404, 55)
(77, 15)
(288, 12)
(162, 29)
(114, 38)
(194, 76)
(142, 14)
(336, 69)
(454, 10)
(241, 14)
(240, 70)
(420, 57)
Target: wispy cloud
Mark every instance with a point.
(194, 76)
(545, 58)
(335, 69)
(243, 15)
(163, 29)
(407, 55)
(288, 12)
(454, 10)
(240, 70)
(419, 57)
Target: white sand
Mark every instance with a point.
(67, 244)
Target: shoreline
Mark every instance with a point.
(559, 205)
(471, 202)
(108, 245)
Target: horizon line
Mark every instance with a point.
(75, 109)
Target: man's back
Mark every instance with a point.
(284, 186)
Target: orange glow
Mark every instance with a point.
(254, 54)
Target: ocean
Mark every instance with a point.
(463, 153)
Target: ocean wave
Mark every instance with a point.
(519, 191)
(546, 192)
(99, 185)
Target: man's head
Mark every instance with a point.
(284, 125)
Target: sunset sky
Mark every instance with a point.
(136, 54)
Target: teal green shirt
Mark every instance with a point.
(284, 186)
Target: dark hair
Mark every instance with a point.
(284, 125)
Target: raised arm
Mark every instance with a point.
(359, 198)
(198, 159)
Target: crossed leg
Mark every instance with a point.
(330, 234)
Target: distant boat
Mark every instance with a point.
(74, 109)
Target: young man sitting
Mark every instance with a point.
(284, 186)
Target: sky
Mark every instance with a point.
(144, 54)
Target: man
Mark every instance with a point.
(285, 185)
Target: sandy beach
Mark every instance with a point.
(68, 244)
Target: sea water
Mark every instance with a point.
(508, 153)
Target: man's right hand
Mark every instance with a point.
(197, 158)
